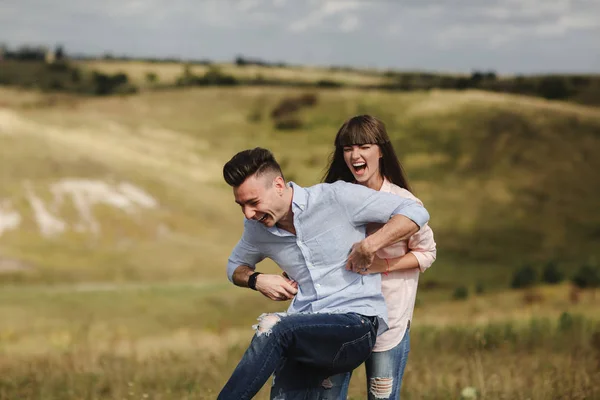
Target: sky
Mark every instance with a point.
(507, 36)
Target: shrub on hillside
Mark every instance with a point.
(105, 84)
(288, 124)
(552, 273)
(308, 99)
(553, 88)
(587, 276)
(61, 76)
(327, 83)
(151, 77)
(285, 113)
(460, 293)
(523, 277)
(215, 77)
(287, 106)
(212, 77)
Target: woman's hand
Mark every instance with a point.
(378, 266)
(360, 258)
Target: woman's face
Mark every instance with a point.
(363, 161)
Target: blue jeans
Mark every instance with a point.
(385, 370)
(305, 349)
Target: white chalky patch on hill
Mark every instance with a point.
(84, 194)
(137, 195)
(9, 218)
(49, 224)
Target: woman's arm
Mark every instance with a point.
(382, 265)
(422, 254)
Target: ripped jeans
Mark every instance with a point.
(385, 370)
(303, 350)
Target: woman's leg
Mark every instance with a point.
(385, 370)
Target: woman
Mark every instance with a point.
(364, 155)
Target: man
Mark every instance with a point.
(312, 234)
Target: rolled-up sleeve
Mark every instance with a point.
(244, 253)
(422, 246)
(414, 211)
(364, 205)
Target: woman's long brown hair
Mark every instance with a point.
(359, 130)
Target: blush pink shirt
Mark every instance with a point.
(400, 287)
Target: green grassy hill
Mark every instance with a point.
(130, 188)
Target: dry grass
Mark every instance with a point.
(182, 341)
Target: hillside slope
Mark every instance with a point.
(129, 188)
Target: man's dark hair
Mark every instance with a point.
(247, 163)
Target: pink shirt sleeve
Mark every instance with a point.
(422, 246)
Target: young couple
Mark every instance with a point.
(351, 251)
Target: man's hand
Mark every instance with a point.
(276, 287)
(360, 258)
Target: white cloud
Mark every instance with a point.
(511, 21)
(350, 23)
(246, 5)
(327, 9)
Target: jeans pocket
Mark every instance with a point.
(353, 353)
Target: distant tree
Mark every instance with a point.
(490, 75)
(523, 85)
(552, 273)
(463, 83)
(553, 88)
(214, 76)
(59, 53)
(476, 78)
(460, 293)
(523, 277)
(120, 78)
(326, 83)
(579, 80)
(240, 61)
(587, 276)
(151, 77)
(105, 84)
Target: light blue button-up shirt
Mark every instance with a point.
(329, 219)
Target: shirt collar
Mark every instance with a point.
(300, 195)
(298, 205)
(386, 186)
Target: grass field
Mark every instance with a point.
(140, 306)
(182, 340)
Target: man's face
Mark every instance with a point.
(261, 198)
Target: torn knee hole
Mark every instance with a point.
(327, 384)
(381, 388)
(265, 325)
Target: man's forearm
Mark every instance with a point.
(241, 274)
(396, 229)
